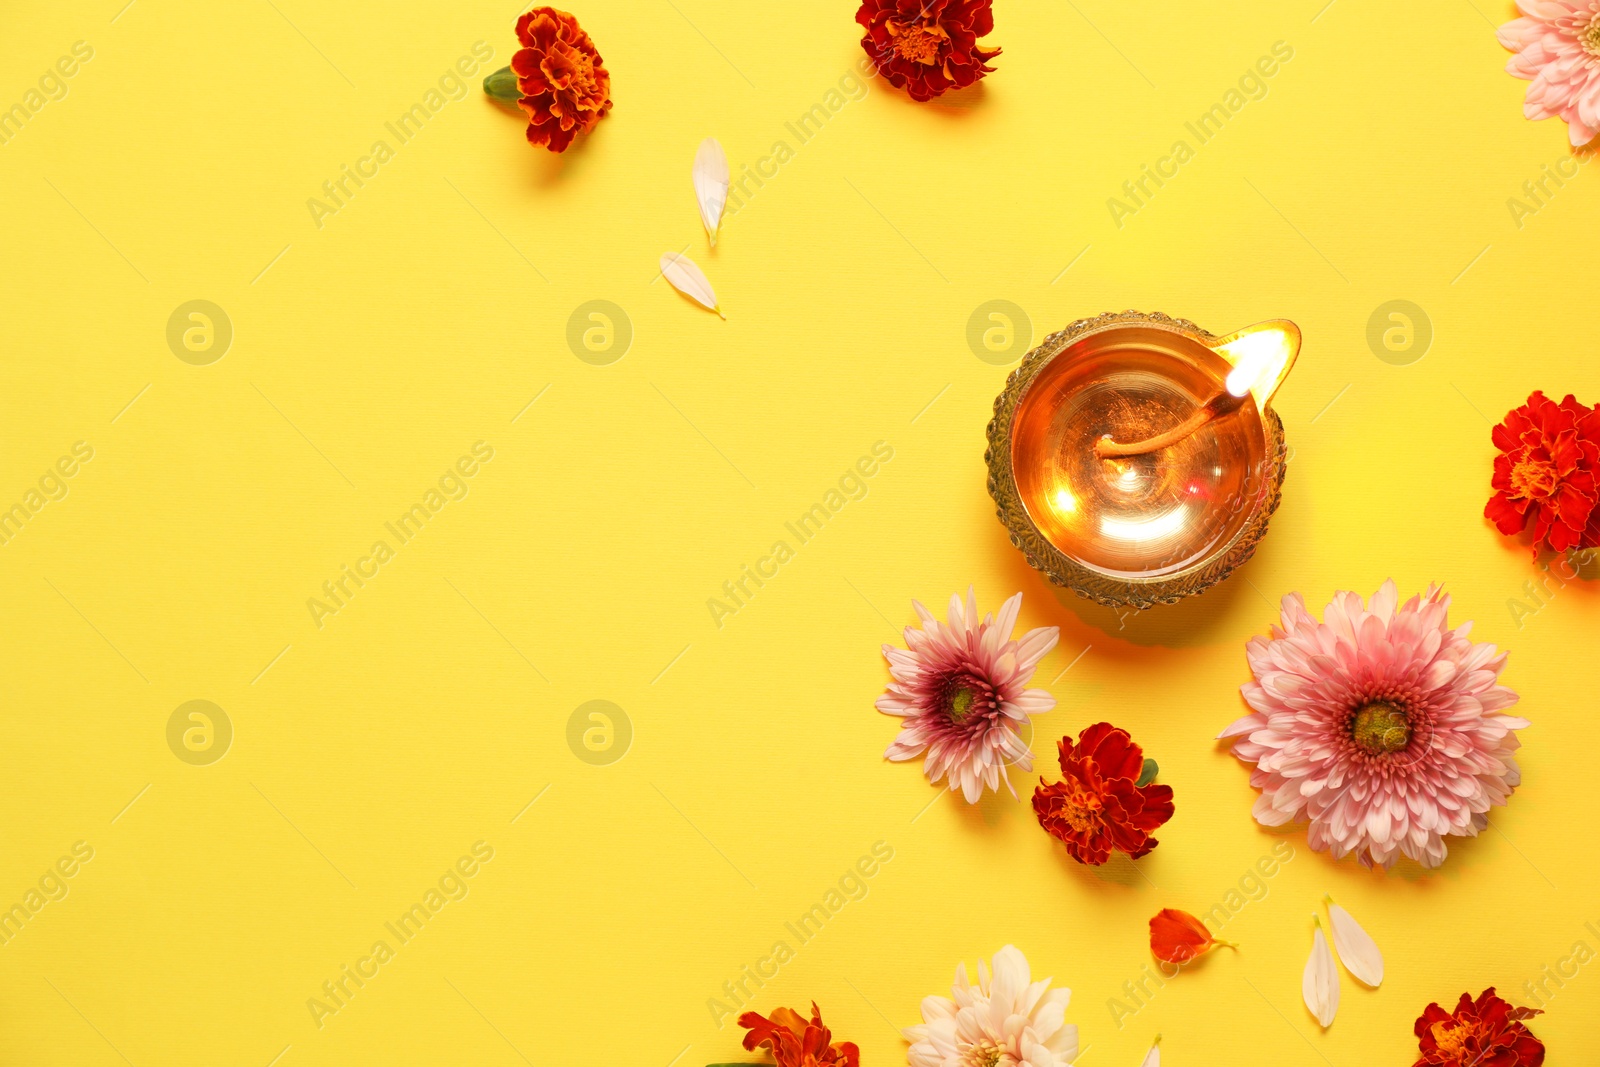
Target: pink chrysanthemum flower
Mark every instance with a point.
(1381, 727)
(1558, 49)
(960, 687)
(1005, 1019)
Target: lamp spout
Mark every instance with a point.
(1262, 356)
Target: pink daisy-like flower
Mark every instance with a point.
(1558, 49)
(1380, 726)
(960, 687)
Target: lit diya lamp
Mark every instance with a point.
(1136, 458)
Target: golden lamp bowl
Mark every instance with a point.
(1149, 528)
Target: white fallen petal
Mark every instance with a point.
(711, 181)
(681, 272)
(1357, 951)
(1320, 983)
(1153, 1057)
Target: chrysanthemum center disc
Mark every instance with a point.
(920, 44)
(1590, 38)
(982, 1054)
(1533, 476)
(1380, 727)
(961, 703)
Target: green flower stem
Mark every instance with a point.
(502, 85)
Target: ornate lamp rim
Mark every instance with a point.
(1087, 582)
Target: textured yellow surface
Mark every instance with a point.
(375, 347)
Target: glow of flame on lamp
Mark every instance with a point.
(1261, 356)
(1151, 529)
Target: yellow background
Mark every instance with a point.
(370, 353)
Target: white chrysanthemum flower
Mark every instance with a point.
(1006, 1020)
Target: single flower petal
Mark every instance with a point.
(711, 181)
(1357, 951)
(1178, 937)
(1319, 985)
(682, 274)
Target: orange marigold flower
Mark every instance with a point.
(1546, 473)
(1178, 937)
(1100, 805)
(797, 1042)
(565, 86)
(1479, 1033)
(928, 46)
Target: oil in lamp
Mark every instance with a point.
(1135, 458)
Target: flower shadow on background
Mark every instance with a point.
(1550, 572)
(545, 168)
(1119, 870)
(1467, 854)
(957, 105)
(1193, 622)
(994, 808)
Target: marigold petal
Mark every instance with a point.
(1178, 937)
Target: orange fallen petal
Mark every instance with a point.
(1178, 937)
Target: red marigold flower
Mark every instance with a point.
(1099, 806)
(1546, 472)
(796, 1042)
(1178, 937)
(565, 86)
(928, 46)
(1486, 1032)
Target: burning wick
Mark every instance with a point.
(1261, 356)
(1223, 403)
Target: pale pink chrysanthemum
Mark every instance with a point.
(1381, 727)
(1558, 49)
(960, 687)
(1006, 1020)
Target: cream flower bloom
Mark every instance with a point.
(1006, 1020)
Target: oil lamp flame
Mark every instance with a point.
(1260, 357)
